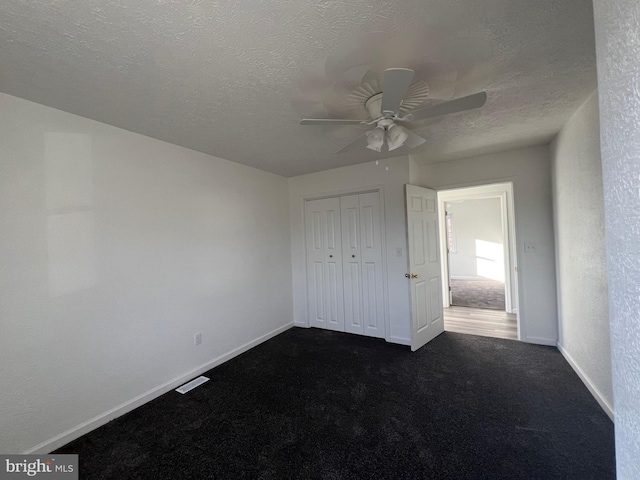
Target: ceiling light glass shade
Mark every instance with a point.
(375, 139)
(396, 136)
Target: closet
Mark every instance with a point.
(344, 264)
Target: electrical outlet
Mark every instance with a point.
(197, 339)
(529, 247)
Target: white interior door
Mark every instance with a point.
(371, 262)
(324, 264)
(362, 264)
(351, 267)
(424, 275)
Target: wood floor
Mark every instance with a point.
(478, 321)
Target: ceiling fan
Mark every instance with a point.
(384, 113)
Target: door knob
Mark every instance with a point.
(407, 275)
(415, 275)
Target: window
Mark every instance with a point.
(451, 244)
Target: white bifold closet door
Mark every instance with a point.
(344, 264)
(324, 264)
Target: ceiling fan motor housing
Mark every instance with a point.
(374, 105)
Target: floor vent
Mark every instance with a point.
(192, 384)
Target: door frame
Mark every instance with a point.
(383, 230)
(503, 191)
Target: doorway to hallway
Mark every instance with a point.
(475, 249)
(479, 274)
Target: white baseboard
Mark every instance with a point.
(541, 341)
(62, 439)
(399, 340)
(606, 406)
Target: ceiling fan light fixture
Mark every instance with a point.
(396, 103)
(396, 136)
(375, 139)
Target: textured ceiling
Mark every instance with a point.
(233, 78)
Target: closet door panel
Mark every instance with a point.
(315, 263)
(344, 264)
(351, 267)
(333, 284)
(324, 264)
(371, 264)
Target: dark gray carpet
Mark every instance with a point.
(326, 405)
(477, 293)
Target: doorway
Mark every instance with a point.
(479, 271)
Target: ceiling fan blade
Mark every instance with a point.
(476, 100)
(330, 121)
(413, 140)
(358, 142)
(396, 83)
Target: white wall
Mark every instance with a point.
(352, 179)
(583, 305)
(115, 249)
(529, 170)
(478, 237)
(617, 51)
